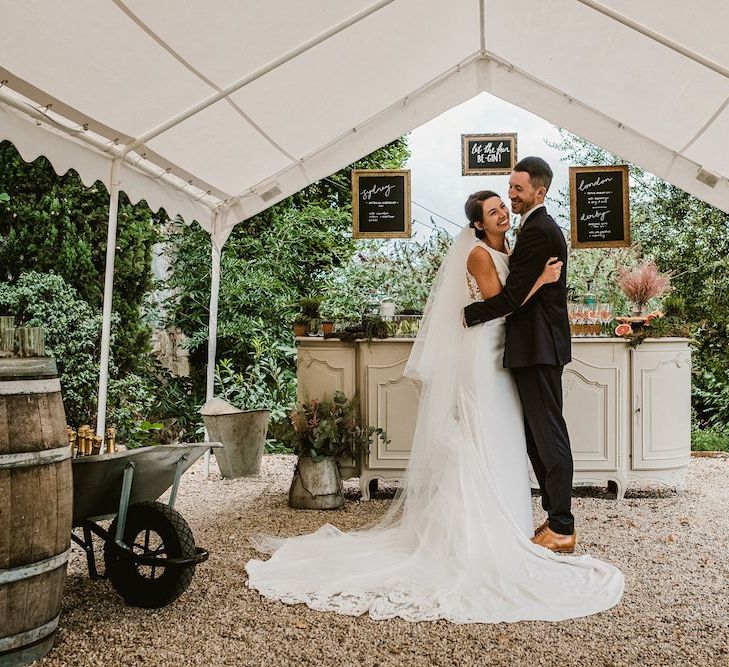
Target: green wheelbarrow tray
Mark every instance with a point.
(98, 480)
(149, 550)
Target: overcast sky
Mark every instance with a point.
(436, 157)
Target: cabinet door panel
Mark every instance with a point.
(393, 405)
(591, 410)
(322, 371)
(661, 408)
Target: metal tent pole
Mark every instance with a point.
(108, 290)
(212, 332)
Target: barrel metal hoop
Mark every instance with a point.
(43, 457)
(29, 636)
(34, 569)
(30, 387)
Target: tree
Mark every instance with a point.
(51, 223)
(269, 263)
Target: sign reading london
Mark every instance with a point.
(488, 154)
(381, 203)
(599, 206)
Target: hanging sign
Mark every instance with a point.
(381, 204)
(599, 207)
(488, 154)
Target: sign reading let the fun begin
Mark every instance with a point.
(599, 207)
(488, 154)
(381, 204)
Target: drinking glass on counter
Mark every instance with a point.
(605, 311)
(587, 319)
(577, 314)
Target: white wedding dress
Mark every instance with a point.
(455, 544)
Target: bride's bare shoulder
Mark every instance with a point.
(479, 260)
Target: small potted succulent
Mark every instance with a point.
(319, 431)
(327, 319)
(301, 324)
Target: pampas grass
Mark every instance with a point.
(643, 283)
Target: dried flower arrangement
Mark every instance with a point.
(642, 284)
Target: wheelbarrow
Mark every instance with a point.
(149, 549)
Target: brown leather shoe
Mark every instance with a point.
(541, 527)
(561, 544)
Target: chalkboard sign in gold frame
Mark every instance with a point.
(600, 206)
(381, 204)
(488, 154)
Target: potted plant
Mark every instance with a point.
(310, 310)
(319, 431)
(327, 319)
(301, 323)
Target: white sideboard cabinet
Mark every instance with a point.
(628, 411)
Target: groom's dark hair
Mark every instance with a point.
(474, 209)
(540, 173)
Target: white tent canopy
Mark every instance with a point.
(251, 101)
(215, 110)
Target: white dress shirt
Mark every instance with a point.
(524, 217)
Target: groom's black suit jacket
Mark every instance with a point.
(538, 332)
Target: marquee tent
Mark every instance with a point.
(216, 110)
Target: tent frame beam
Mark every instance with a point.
(656, 36)
(257, 74)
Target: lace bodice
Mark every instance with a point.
(501, 262)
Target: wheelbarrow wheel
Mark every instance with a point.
(151, 529)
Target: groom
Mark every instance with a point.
(538, 347)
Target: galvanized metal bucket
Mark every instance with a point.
(317, 485)
(242, 433)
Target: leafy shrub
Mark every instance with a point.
(401, 271)
(711, 388)
(53, 223)
(73, 338)
(144, 434)
(72, 335)
(263, 384)
(710, 440)
(130, 401)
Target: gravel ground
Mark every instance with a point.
(672, 549)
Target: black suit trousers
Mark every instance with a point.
(548, 443)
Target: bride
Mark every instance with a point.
(455, 544)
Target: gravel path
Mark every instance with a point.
(673, 550)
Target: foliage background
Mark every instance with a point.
(52, 253)
(52, 223)
(689, 239)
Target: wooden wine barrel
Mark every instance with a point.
(36, 494)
